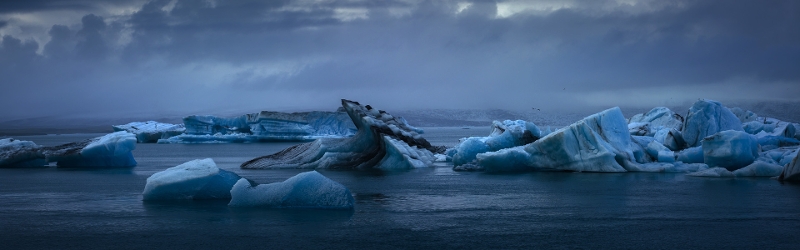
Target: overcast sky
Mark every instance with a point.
(216, 56)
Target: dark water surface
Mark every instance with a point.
(422, 208)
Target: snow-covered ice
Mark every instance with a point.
(151, 131)
(658, 118)
(196, 179)
(382, 141)
(305, 190)
(17, 153)
(111, 150)
(730, 149)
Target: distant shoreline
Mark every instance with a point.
(48, 131)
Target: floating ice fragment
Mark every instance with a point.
(305, 190)
(196, 179)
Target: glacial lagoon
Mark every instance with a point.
(61, 208)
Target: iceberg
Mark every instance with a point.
(707, 117)
(598, 143)
(17, 153)
(504, 134)
(265, 126)
(382, 141)
(792, 170)
(151, 131)
(305, 190)
(194, 180)
(730, 149)
(111, 150)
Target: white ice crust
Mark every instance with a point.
(659, 118)
(151, 131)
(305, 190)
(196, 179)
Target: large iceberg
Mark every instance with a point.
(305, 190)
(111, 150)
(707, 117)
(598, 143)
(382, 141)
(17, 153)
(730, 149)
(151, 131)
(197, 179)
(504, 134)
(265, 126)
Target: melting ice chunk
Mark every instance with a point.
(305, 190)
(197, 179)
(16, 153)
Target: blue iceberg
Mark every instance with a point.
(305, 190)
(730, 149)
(707, 117)
(111, 150)
(504, 134)
(193, 180)
(382, 141)
(598, 143)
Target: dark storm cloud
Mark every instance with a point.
(13, 6)
(212, 56)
